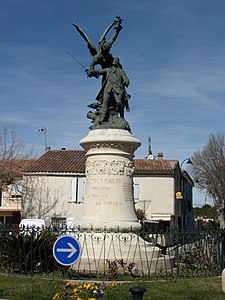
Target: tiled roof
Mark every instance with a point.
(23, 164)
(59, 161)
(73, 161)
(13, 168)
(154, 166)
(19, 165)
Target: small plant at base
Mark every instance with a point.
(127, 268)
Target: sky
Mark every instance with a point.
(173, 52)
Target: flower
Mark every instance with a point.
(85, 291)
(113, 284)
(69, 284)
(57, 296)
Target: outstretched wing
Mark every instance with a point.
(116, 24)
(105, 32)
(91, 46)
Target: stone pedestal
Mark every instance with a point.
(223, 280)
(103, 252)
(109, 206)
(108, 202)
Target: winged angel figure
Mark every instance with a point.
(110, 102)
(102, 55)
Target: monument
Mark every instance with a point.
(110, 147)
(109, 144)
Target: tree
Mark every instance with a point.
(15, 158)
(208, 169)
(206, 211)
(37, 199)
(197, 212)
(13, 155)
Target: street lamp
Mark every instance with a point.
(188, 161)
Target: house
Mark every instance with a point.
(164, 192)
(55, 186)
(10, 189)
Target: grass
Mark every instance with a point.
(37, 288)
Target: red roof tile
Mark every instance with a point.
(73, 161)
(60, 161)
(154, 166)
(19, 165)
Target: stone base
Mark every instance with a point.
(100, 251)
(109, 201)
(114, 226)
(109, 206)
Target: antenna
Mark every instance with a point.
(43, 130)
(150, 155)
(149, 145)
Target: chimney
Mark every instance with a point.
(160, 156)
(47, 148)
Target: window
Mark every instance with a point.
(16, 190)
(59, 223)
(77, 190)
(136, 192)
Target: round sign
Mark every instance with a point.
(66, 250)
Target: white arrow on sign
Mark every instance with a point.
(72, 250)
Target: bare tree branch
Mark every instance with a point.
(13, 154)
(208, 167)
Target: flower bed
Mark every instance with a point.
(85, 291)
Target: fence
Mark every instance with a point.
(181, 253)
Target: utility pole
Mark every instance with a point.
(43, 130)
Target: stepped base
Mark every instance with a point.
(103, 251)
(112, 226)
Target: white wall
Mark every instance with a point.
(62, 196)
(156, 195)
(52, 196)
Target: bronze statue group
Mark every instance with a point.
(112, 98)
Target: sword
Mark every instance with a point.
(85, 69)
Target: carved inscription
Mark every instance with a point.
(104, 180)
(100, 192)
(109, 191)
(105, 191)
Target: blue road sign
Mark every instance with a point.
(66, 250)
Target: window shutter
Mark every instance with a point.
(136, 192)
(74, 186)
(81, 189)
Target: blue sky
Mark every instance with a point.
(173, 52)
